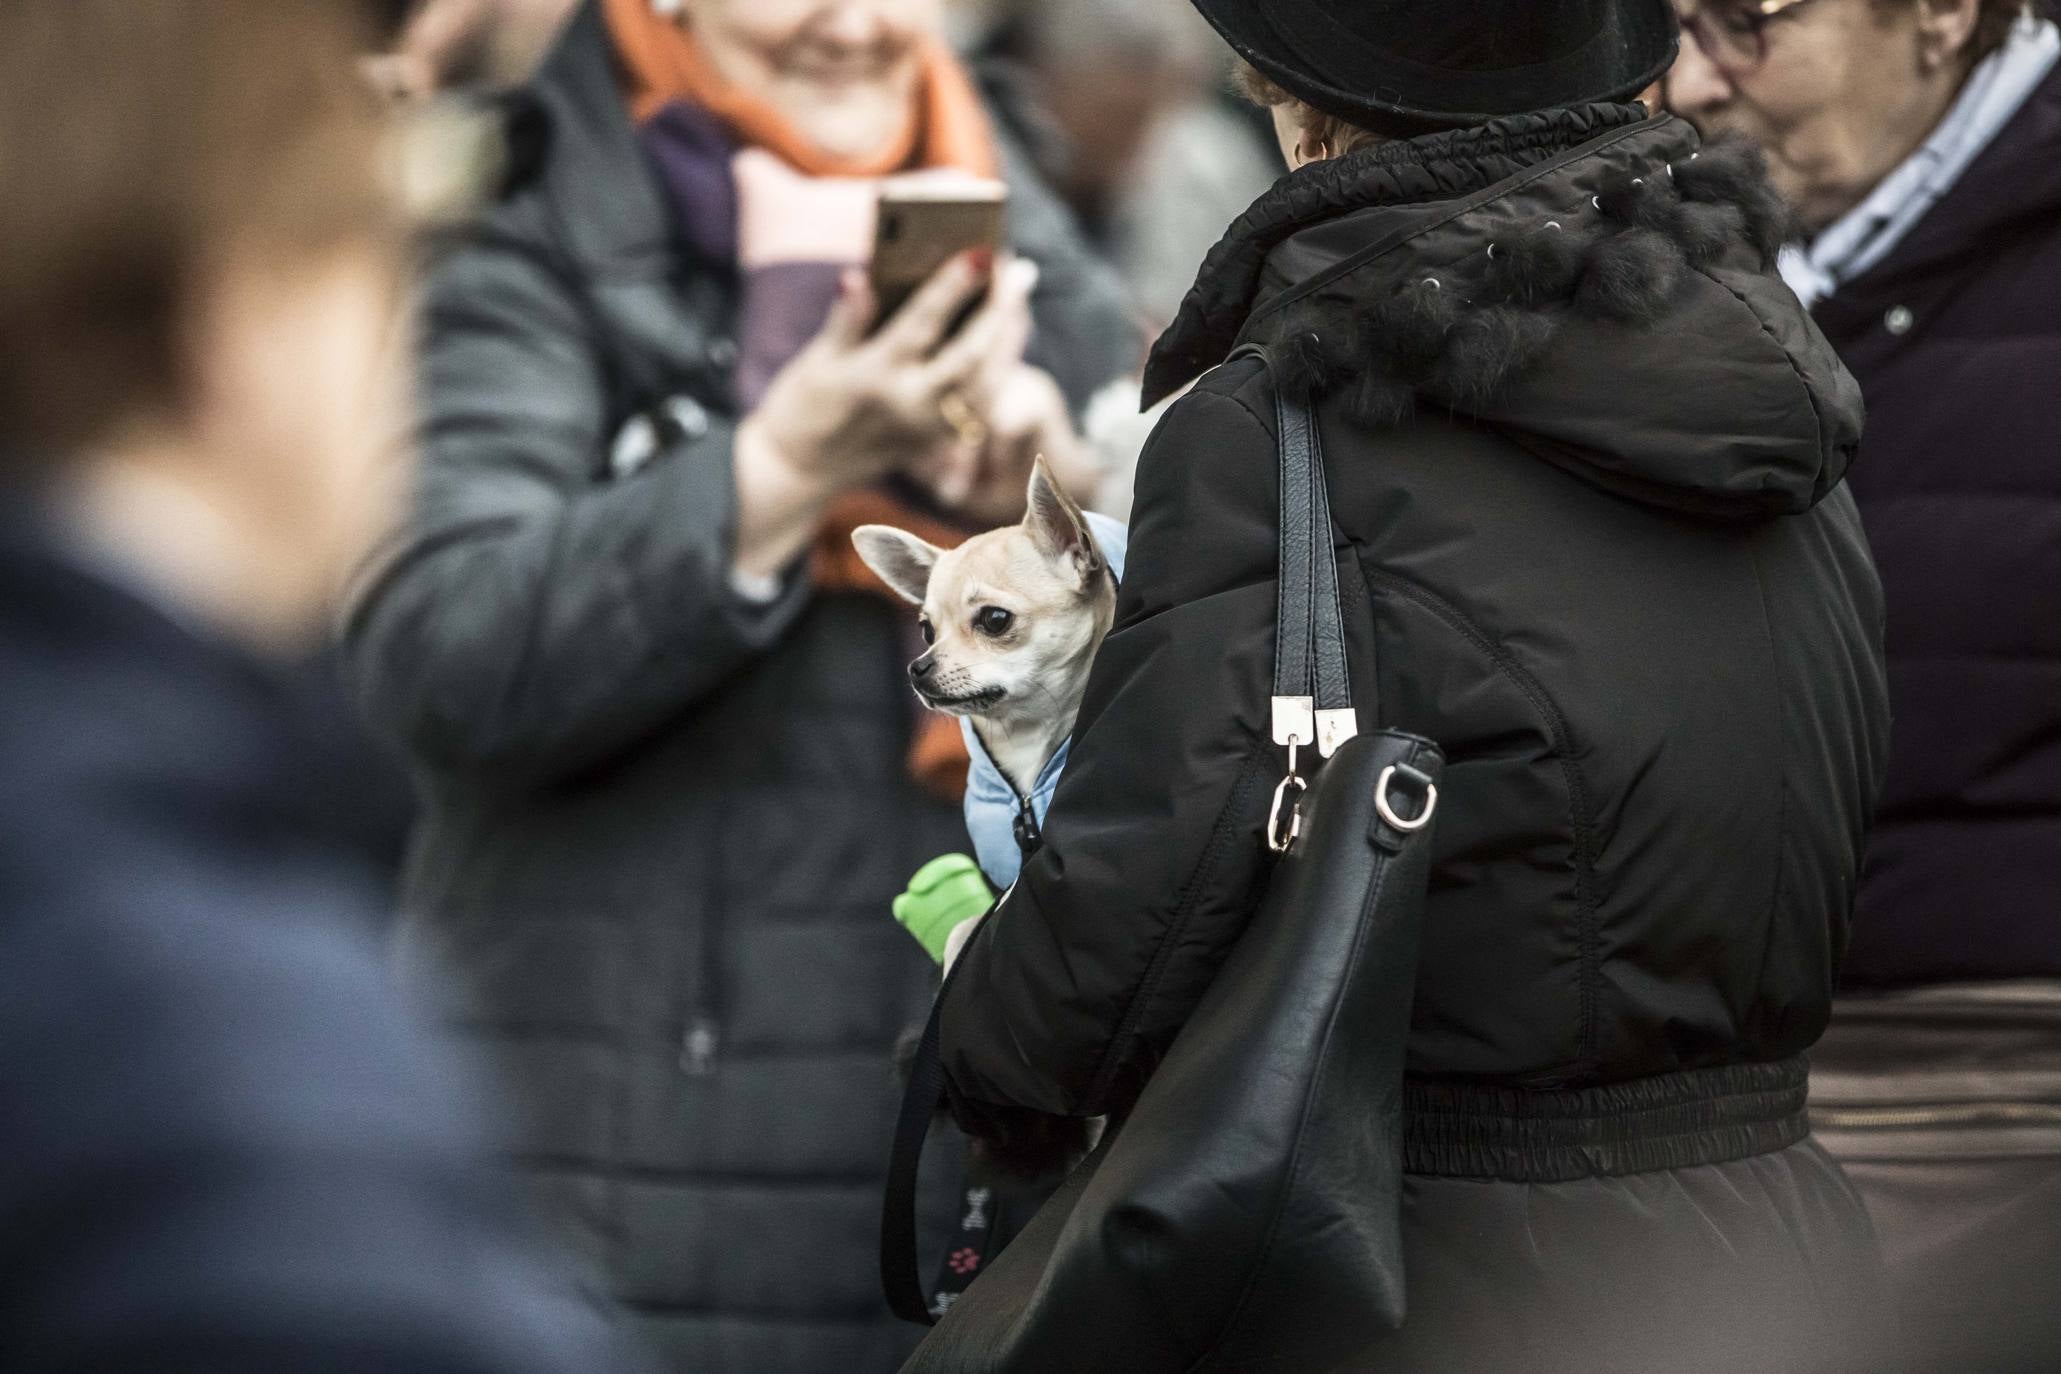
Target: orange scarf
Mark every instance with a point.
(947, 127)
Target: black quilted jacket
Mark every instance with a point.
(1592, 537)
(1607, 562)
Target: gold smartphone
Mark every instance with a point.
(926, 220)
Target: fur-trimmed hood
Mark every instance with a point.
(1590, 281)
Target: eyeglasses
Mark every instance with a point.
(1733, 33)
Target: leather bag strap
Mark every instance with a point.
(1312, 703)
(1295, 600)
(1302, 447)
(901, 1271)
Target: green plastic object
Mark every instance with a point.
(946, 893)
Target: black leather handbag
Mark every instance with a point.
(1244, 1215)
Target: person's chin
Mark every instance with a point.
(851, 118)
(1802, 192)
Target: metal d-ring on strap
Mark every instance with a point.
(1387, 810)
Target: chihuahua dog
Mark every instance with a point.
(1011, 622)
(1011, 618)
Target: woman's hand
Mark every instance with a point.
(852, 406)
(1008, 414)
(1025, 416)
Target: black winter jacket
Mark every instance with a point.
(227, 1143)
(1592, 538)
(1956, 339)
(665, 825)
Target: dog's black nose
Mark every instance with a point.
(922, 668)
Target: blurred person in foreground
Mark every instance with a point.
(437, 46)
(227, 1145)
(674, 770)
(1920, 141)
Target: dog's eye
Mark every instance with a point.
(993, 621)
(929, 631)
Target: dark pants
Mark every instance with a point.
(1762, 1265)
(1944, 1106)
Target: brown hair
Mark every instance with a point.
(141, 147)
(1993, 24)
(1327, 131)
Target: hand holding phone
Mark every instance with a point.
(858, 403)
(925, 221)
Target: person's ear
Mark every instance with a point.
(900, 559)
(1945, 29)
(1057, 527)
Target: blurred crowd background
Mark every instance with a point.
(1127, 108)
(231, 1142)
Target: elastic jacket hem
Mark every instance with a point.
(1671, 1121)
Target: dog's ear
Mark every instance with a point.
(901, 559)
(1055, 524)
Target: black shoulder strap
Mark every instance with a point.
(901, 1271)
(1302, 451)
(1313, 701)
(901, 1268)
(1295, 594)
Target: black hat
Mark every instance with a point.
(1406, 66)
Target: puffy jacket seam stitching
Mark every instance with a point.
(558, 533)
(1803, 384)
(381, 579)
(1782, 800)
(1577, 794)
(1118, 1050)
(550, 254)
(1234, 396)
(1135, 1008)
(558, 255)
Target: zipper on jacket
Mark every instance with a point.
(1025, 828)
(701, 1039)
